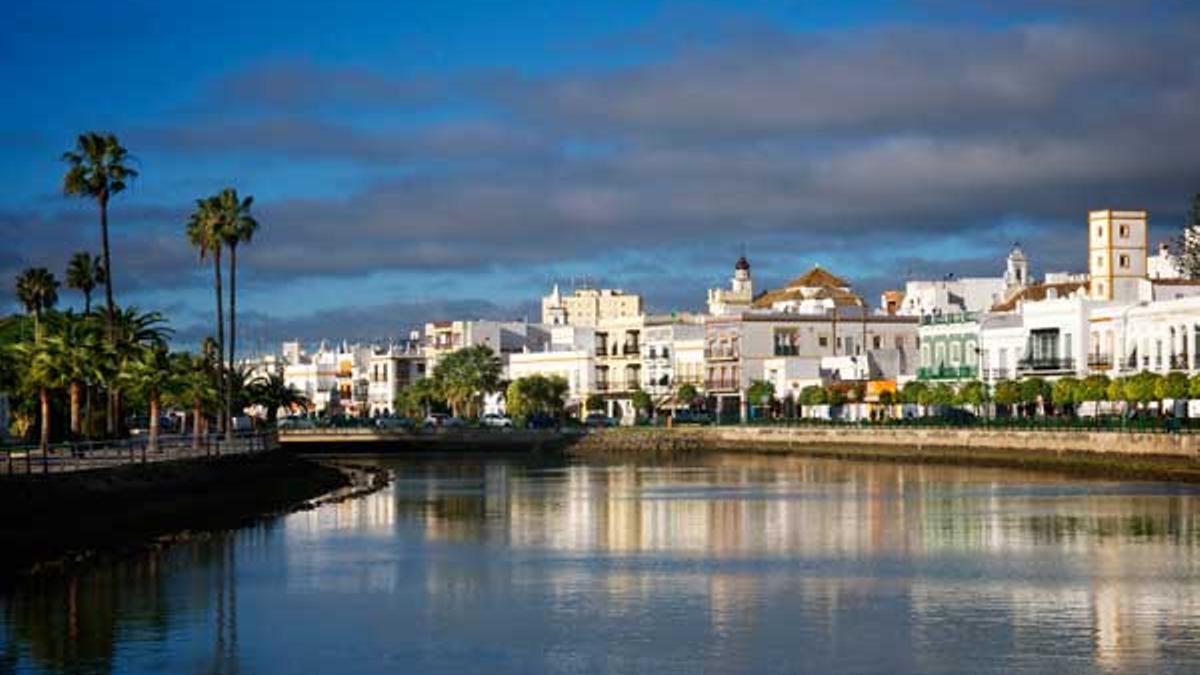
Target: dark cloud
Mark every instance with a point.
(850, 144)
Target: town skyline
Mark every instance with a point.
(453, 174)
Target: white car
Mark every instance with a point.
(497, 421)
(441, 421)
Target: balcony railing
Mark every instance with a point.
(601, 386)
(721, 354)
(787, 350)
(601, 350)
(721, 385)
(632, 350)
(1179, 362)
(1045, 365)
(1100, 361)
(945, 372)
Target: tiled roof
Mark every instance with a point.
(816, 278)
(1038, 292)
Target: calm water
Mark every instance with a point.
(729, 564)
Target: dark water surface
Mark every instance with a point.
(722, 564)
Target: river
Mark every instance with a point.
(719, 564)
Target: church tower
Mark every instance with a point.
(1016, 271)
(1116, 254)
(739, 295)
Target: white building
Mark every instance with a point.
(589, 306)
(390, 369)
(503, 337)
(739, 295)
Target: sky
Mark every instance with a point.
(415, 161)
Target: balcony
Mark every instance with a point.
(601, 385)
(937, 319)
(944, 372)
(632, 350)
(721, 354)
(1100, 361)
(1045, 365)
(787, 350)
(601, 350)
(1180, 362)
(721, 385)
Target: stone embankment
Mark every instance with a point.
(53, 520)
(1125, 456)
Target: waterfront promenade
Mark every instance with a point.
(18, 460)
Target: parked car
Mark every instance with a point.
(393, 423)
(442, 421)
(691, 417)
(540, 421)
(598, 420)
(496, 421)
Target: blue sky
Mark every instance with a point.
(414, 160)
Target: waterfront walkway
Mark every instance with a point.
(92, 455)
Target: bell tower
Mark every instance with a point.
(1116, 254)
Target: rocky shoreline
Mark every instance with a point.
(54, 522)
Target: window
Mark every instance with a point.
(876, 342)
(1123, 231)
(1099, 261)
(666, 353)
(1124, 261)
(823, 341)
(972, 356)
(955, 353)
(1099, 231)
(939, 355)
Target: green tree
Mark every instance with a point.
(686, 394)
(1194, 386)
(1187, 244)
(1008, 393)
(1033, 390)
(1066, 392)
(150, 374)
(761, 393)
(272, 393)
(940, 394)
(99, 169)
(84, 273)
(76, 352)
(237, 227)
(464, 376)
(1141, 388)
(37, 291)
(536, 394)
(1173, 386)
(813, 395)
(417, 399)
(194, 389)
(41, 375)
(206, 234)
(642, 403)
(973, 393)
(914, 392)
(1094, 388)
(594, 403)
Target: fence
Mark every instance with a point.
(90, 455)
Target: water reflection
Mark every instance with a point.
(727, 564)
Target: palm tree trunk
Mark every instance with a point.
(196, 426)
(44, 440)
(223, 413)
(87, 302)
(75, 408)
(232, 337)
(110, 306)
(154, 422)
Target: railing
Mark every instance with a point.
(720, 385)
(936, 319)
(1045, 365)
(721, 354)
(91, 455)
(787, 350)
(1100, 361)
(601, 386)
(632, 350)
(946, 372)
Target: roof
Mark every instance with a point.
(840, 297)
(1038, 292)
(817, 278)
(1175, 282)
(742, 264)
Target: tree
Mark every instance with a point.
(1187, 244)
(1033, 390)
(1066, 392)
(84, 273)
(761, 393)
(594, 403)
(940, 394)
(272, 393)
(973, 393)
(1194, 386)
(193, 389)
(464, 376)
(75, 354)
(37, 291)
(1094, 388)
(913, 392)
(1141, 388)
(1008, 393)
(416, 399)
(642, 402)
(98, 169)
(150, 373)
(813, 395)
(205, 234)
(686, 393)
(237, 227)
(1174, 386)
(41, 375)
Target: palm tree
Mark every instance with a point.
(204, 233)
(37, 289)
(272, 392)
(41, 375)
(193, 389)
(150, 372)
(133, 331)
(98, 170)
(84, 272)
(74, 349)
(237, 227)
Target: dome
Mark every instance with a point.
(742, 264)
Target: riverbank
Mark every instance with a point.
(1110, 455)
(55, 520)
